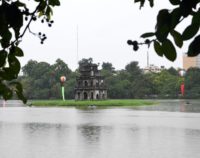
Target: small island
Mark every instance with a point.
(91, 91)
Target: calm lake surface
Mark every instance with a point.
(168, 130)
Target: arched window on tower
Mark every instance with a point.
(79, 96)
(86, 83)
(85, 95)
(92, 95)
(91, 83)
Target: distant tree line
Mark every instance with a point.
(42, 81)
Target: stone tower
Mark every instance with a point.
(90, 84)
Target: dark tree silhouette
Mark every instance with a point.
(167, 22)
(15, 21)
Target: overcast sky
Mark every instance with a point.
(104, 26)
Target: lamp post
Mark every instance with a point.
(182, 74)
(62, 80)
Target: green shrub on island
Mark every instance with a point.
(117, 102)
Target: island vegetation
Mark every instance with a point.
(94, 103)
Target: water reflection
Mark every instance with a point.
(101, 133)
(42, 126)
(34, 127)
(174, 106)
(194, 133)
(91, 133)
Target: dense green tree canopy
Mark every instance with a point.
(42, 80)
(173, 71)
(192, 83)
(108, 66)
(130, 82)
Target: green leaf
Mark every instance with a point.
(7, 94)
(21, 97)
(3, 21)
(49, 12)
(14, 18)
(3, 55)
(41, 13)
(18, 52)
(54, 3)
(19, 91)
(7, 74)
(42, 6)
(190, 31)
(20, 4)
(169, 50)
(175, 17)
(163, 18)
(5, 91)
(163, 24)
(175, 2)
(187, 6)
(177, 38)
(146, 35)
(14, 64)
(2, 87)
(158, 48)
(6, 37)
(194, 47)
(162, 33)
(151, 2)
(141, 2)
(196, 18)
(18, 86)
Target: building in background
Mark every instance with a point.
(90, 84)
(153, 68)
(189, 62)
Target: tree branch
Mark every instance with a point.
(27, 26)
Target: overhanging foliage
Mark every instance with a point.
(167, 22)
(14, 15)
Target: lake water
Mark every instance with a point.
(168, 130)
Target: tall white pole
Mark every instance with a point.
(147, 58)
(77, 58)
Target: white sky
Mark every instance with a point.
(104, 28)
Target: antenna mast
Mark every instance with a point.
(77, 58)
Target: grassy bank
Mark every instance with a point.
(116, 102)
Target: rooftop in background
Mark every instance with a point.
(189, 62)
(153, 68)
